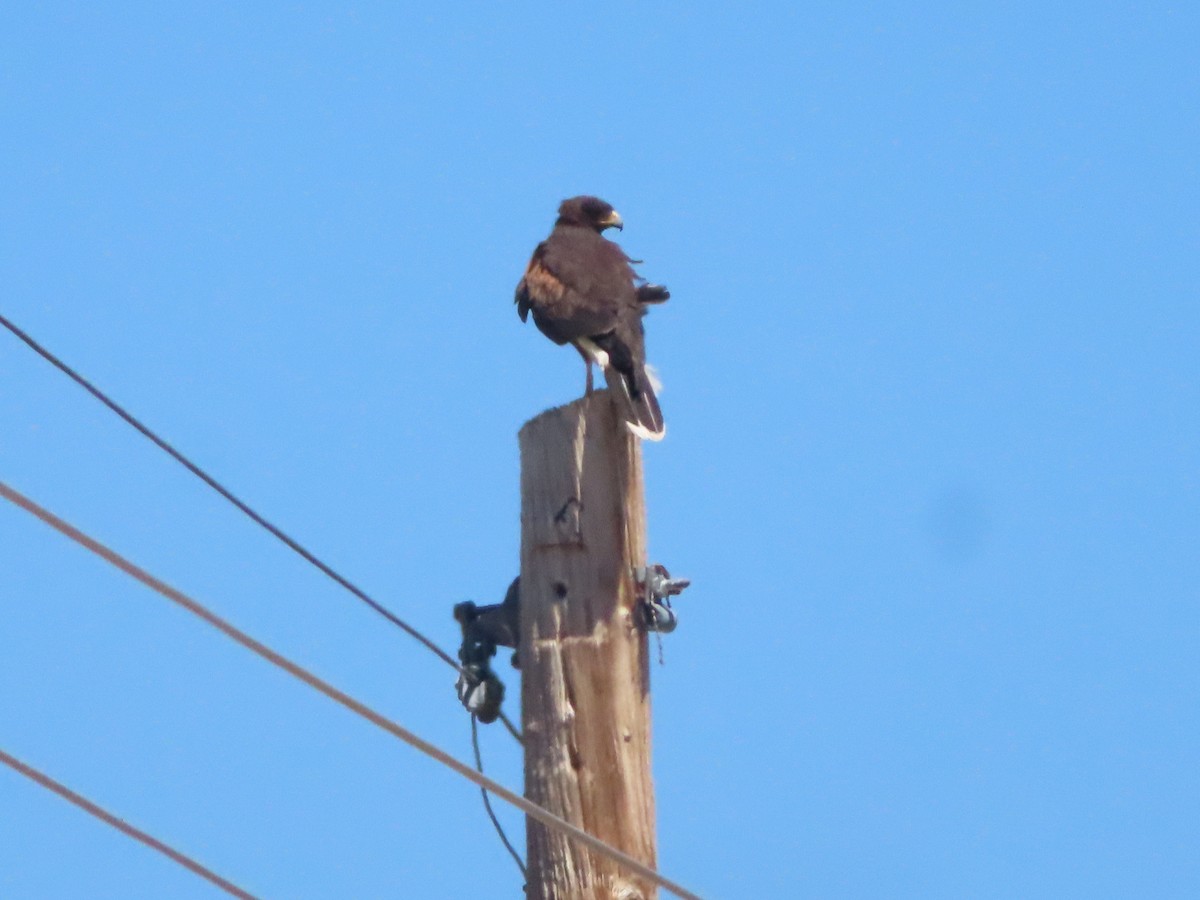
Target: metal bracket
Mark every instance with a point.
(484, 628)
(657, 588)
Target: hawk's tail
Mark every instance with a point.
(634, 394)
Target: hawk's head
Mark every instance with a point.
(590, 212)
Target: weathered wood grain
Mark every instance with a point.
(585, 673)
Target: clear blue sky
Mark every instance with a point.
(932, 385)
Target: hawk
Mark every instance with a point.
(583, 291)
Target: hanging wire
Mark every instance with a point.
(487, 803)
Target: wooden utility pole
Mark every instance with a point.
(585, 678)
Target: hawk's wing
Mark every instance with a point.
(575, 287)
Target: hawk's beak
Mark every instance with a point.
(613, 220)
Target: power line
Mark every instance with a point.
(531, 809)
(487, 803)
(241, 505)
(136, 833)
(222, 490)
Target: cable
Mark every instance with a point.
(531, 809)
(136, 833)
(228, 495)
(512, 729)
(487, 803)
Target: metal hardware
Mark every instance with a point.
(658, 587)
(484, 628)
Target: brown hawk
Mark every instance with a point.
(583, 291)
